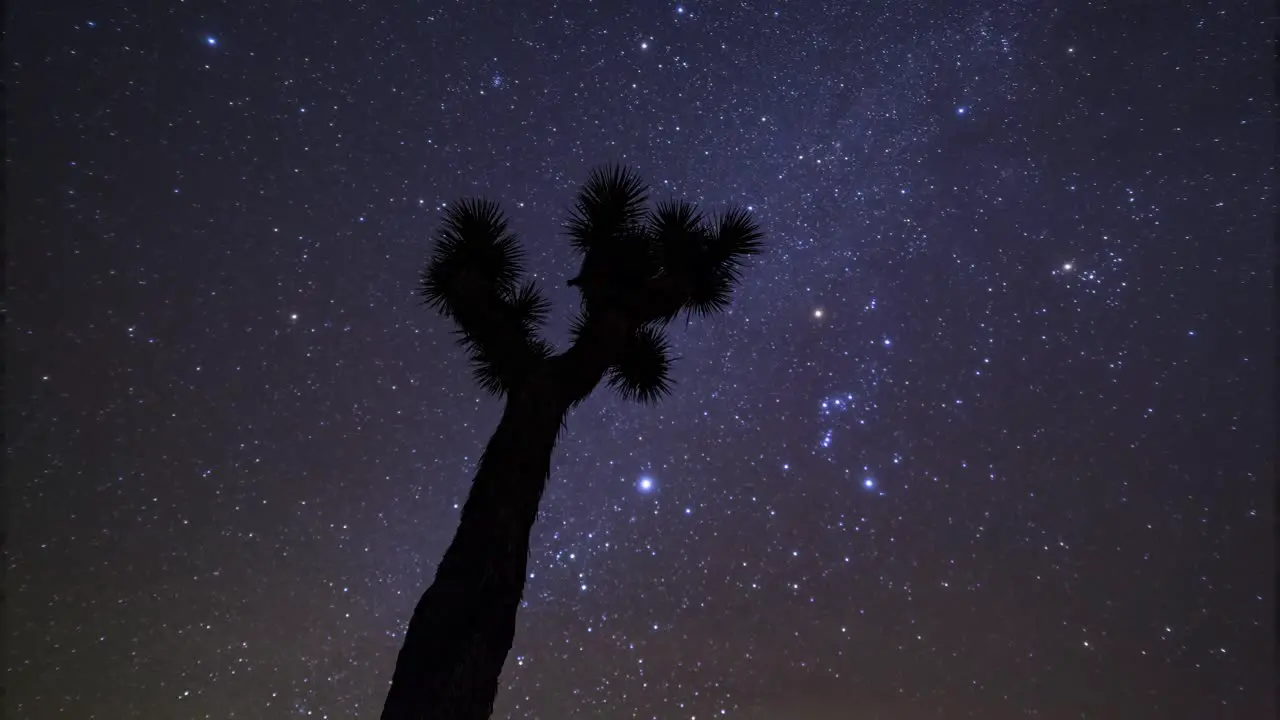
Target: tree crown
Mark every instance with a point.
(641, 266)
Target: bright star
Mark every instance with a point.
(868, 483)
(210, 40)
(818, 313)
(645, 484)
(962, 110)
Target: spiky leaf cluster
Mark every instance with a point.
(649, 264)
(606, 225)
(474, 253)
(611, 202)
(643, 373)
(640, 268)
(715, 264)
(472, 278)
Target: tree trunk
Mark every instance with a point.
(464, 625)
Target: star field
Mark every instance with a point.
(985, 434)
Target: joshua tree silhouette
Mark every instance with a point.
(640, 268)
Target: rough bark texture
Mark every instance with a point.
(463, 627)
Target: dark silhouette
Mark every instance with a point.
(640, 268)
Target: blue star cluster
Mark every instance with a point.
(985, 433)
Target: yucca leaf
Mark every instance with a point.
(738, 236)
(676, 233)
(643, 372)
(501, 361)
(530, 307)
(675, 221)
(488, 375)
(613, 198)
(474, 256)
(615, 272)
(714, 267)
(578, 325)
(499, 374)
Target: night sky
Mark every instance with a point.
(986, 434)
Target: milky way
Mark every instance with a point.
(984, 435)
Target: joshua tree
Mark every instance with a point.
(640, 268)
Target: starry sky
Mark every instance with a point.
(986, 433)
